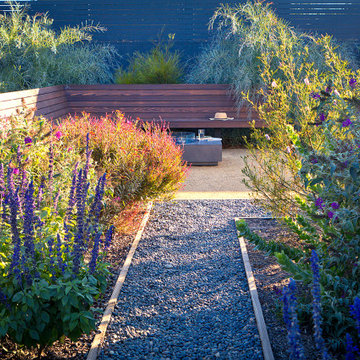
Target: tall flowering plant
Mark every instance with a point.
(142, 161)
(329, 218)
(52, 264)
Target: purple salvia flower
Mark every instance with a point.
(51, 167)
(319, 203)
(108, 237)
(355, 312)
(15, 261)
(296, 349)
(76, 253)
(346, 123)
(330, 214)
(4, 215)
(4, 300)
(2, 183)
(352, 83)
(317, 319)
(29, 224)
(314, 161)
(352, 351)
(315, 95)
(28, 141)
(335, 205)
(94, 253)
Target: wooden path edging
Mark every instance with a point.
(264, 337)
(101, 331)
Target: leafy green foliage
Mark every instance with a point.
(33, 55)
(159, 66)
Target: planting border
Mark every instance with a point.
(264, 337)
(101, 331)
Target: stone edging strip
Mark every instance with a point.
(264, 337)
(101, 331)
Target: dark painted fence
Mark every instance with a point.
(134, 24)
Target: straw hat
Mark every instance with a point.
(221, 116)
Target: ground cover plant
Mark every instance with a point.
(33, 55)
(159, 66)
(141, 161)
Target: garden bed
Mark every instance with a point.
(270, 279)
(78, 350)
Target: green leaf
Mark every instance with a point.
(34, 334)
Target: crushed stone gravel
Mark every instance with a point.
(186, 295)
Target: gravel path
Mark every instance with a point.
(186, 294)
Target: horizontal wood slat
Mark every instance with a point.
(181, 105)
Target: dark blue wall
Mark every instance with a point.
(133, 24)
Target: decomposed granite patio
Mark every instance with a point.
(217, 182)
(186, 295)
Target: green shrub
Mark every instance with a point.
(159, 66)
(33, 55)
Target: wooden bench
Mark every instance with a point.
(50, 101)
(180, 105)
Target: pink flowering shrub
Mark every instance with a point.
(142, 161)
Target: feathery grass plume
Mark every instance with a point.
(159, 66)
(34, 55)
(317, 318)
(290, 318)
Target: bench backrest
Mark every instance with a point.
(49, 101)
(181, 105)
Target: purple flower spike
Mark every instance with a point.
(322, 117)
(29, 223)
(315, 95)
(355, 312)
(330, 214)
(346, 123)
(319, 203)
(94, 253)
(314, 161)
(335, 205)
(290, 318)
(28, 141)
(317, 319)
(352, 83)
(108, 237)
(351, 350)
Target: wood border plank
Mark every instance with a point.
(101, 331)
(264, 337)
